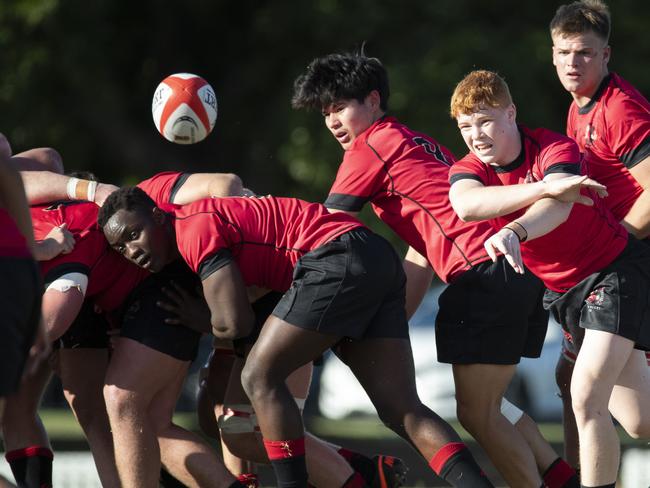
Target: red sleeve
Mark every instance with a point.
(628, 132)
(559, 154)
(469, 168)
(87, 252)
(202, 245)
(360, 176)
(163, 186)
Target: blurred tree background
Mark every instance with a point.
(79, 75)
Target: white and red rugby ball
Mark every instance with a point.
(184, 108)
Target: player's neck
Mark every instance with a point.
(582, 99)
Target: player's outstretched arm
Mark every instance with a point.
(637, 220)
(418, 279)
(45, 186)
(231, 315)
(208, 185)
(472, 200)
(12, 197)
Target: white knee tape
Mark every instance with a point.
(238, 419)
(69, 280)
(300, 402)
(510, 411)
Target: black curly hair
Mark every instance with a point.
(340, 77)
(126, 198)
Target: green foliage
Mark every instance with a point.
(79, 75)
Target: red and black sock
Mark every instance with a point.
(31, 466)
(560, 474)
(288, 461)
(456, 465)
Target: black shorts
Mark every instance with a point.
(491, 315)
(350, 287)
(88, 331)
(20, 301)
(615, 300)
(144, 321)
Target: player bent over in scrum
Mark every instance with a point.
(338, 297)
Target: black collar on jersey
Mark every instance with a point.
(599, 93)
(518, 161)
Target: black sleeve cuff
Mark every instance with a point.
(348, 203)
(637, 155)
(464, 176)
(177, 186)
(570, 168)
(214, 262)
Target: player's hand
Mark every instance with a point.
(58, 241)
(103, 191)
(186, 309)
(568, 189)
(5, 147)
(506, 242)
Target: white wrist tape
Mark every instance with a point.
(77, 189)
(71, 188)
(92, 188)
(69, 280)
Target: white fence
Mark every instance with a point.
(72, 469)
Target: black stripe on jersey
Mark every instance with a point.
(348, 203)
(599, 93)
(182, 178)
(64, 269)
(214, 262)
(464, 176)
(392, 189)
(571, 168)
(636, 155)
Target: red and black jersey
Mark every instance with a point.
(404, 175)
(265, 236)
(162, 187)
(110, 277)
(613, 130)
(590, 239)
(12, 243)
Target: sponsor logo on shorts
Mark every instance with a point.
(595, 299)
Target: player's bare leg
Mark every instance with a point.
(563, 374)
(601, 361)
(82, 372)
(282, 348)
(543, 452)
(183, 453)
(138, 378)
(479, 391)
(325, 467)
(630, 400)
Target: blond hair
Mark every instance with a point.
(479, 89)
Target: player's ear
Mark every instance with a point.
(374, 99)
(158, 216)
(511, 112)
(607, 52)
